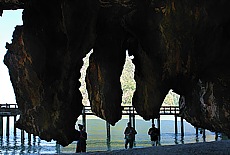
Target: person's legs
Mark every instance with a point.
(153, 143)
(157, 142)
(78, 149)
(131, 144)
(83, 149)
(126, 143)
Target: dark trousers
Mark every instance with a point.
(81, 146)
(130, 142)
(154, 140)
(154, 143)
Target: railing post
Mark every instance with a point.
(134, 126)
(204, 136)
(108, 135)
(84, 118)
(34, 139)
(197, 137)
(14, 125)
(22, 136)
(29, 138)
(159, 126)
(130, 114)
(176, 124)
(182, 127)
(133, 119)
(197, 131)
(216, 136)
(1, 126)
(7, 126)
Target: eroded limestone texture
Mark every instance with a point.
(179, 45)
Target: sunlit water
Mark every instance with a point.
(97, 139)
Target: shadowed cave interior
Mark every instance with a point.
(179, 45)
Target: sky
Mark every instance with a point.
(8, 21)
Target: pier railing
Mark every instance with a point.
(169, 110)
(8, 106)
(9, 110)
(12, 109)
(127, 110)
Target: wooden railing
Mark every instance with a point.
(8, 106)
(9, 110)
(169, 110)
(12, 109)
(127, 110)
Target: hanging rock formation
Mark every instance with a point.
(179, 45)
(11, 5)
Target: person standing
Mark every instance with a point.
(81, 143)
(130, 133)
(154, 134)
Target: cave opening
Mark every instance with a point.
(9, 20)
(171, 99)
(128, 84)
(83, 90)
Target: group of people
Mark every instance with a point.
(129, 133)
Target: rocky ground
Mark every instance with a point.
(208, 148)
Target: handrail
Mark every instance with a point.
(9, 106)
(9, 110)
(87, 110)
(164, 110)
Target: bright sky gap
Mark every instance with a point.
(8, 21)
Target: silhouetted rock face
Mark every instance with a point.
(11, 5)
(179, 45)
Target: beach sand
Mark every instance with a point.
(203, 148)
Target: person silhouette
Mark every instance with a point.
(81, 143)
(130, 133)
(154, 134)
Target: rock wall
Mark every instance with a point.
(179, 45)
(11, 5)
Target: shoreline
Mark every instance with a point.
(221, 147)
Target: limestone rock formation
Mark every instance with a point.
(179, 45)
(11, 5)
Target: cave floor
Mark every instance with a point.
(204, 148)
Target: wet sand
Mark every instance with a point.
(204, 148)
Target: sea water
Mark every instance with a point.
(97, 137)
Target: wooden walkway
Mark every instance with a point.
(12, 110)
(7, 110)
(127, 110)
(131, 112)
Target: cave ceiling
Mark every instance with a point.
(179, 45)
